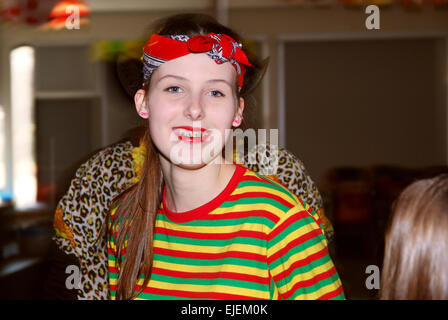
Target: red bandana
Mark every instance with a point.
(219, 47)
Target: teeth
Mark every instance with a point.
(189, 133)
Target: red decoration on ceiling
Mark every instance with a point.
(49, 13)
(64, 9)
(31, 12)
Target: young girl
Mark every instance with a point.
(196, 226)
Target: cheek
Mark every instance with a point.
(159, 120)
(159, 112)
(222, 113)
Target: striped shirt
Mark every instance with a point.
(255, 240)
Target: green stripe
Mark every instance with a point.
(302, 247)
(210, 242)
(252, 201)
(209, 282)
(267, 184)
(262, 183)
(113, 275)
(339, 297)
(315, 287)
(221, 222)
(206, 262)
(291, 229)
(151, 296)
(305, 269)
(272, 289)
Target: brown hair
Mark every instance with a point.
(136, 212)
(416, 250)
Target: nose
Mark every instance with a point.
(194, 109)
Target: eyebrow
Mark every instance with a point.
(185, 79)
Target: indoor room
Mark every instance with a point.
(353, 93)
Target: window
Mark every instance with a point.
(22, 97)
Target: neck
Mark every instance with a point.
(187, 189)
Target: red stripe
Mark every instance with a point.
(289, 221)
(206, 275)
(212, 275)
(310, 282)
(296, 242)
(256, 195)
(265, 179)
(211, 236)
(210, 256)
(332, 294)
(113, 269)
(197, 295)
(300, 263)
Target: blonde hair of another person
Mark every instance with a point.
(415, 265)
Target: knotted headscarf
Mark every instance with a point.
(219, 47)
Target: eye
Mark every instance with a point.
(174, 89)
(216, 93)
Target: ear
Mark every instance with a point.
(238, 118)
(141, 105)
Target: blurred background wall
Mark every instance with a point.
(329, 48)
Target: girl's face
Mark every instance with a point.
(191, 104)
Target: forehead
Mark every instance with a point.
(196, 67)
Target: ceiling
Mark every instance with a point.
(141, 5)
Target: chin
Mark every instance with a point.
(191, 156)
(191, 166)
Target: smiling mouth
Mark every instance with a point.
(190, 134)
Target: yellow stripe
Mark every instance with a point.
(210, 269)
(214, 229)
(281, 194)
(209, 288)
(276, 295)
(250, 173)
(246, 248)
(319, 293)
(250, 207)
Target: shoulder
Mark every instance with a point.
(257, 186)
(115, 156)
(96, 183)
(113, 163)
(281, 203)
